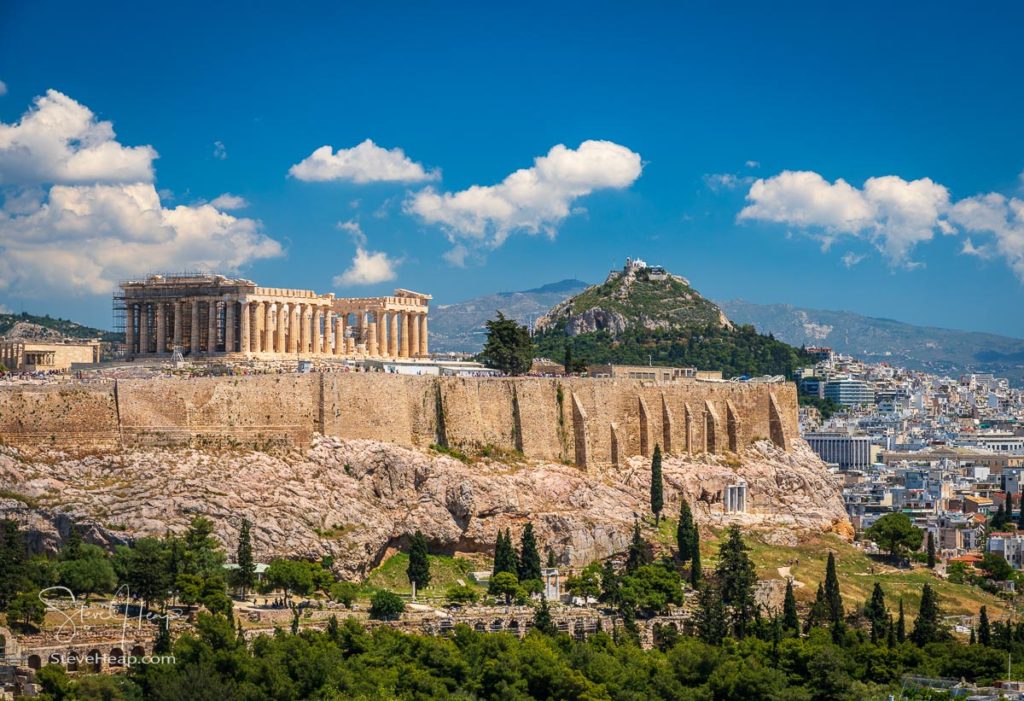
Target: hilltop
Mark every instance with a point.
(644, 314)
(30, 327)
(460, 327)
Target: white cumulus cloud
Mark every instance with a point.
(3, 88)
(364, 163)
(532, 200)
(893, 214)
(81, 211)
(229, 202)
(59, 140)
(368, 267)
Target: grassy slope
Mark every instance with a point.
(668, 299)
(857, 573)
(444, 572)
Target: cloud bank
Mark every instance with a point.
(532, 200)
(892, 214)
(80, 210)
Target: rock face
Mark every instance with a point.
(356, 499)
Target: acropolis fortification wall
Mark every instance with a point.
(580, 420)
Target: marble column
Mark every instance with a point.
(339, 335)
(229, 326)
(325, 343)
(406, 319)
(293, 330)
(268, 328)
(129, 329)
(193, 341)
(371, 338)
(258, 325)
(424, 347)
(317, 335)
(414, 337)
(393, 334)
(211, 327)
(243, 327)
(382, 330)
(305, 319)
(360, 326)
(279, 337)
(143, 328)
(179, 324)
(160, 322)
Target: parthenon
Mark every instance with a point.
(208, 315)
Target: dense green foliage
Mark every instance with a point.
(895, 533)
(508, 347)
(685, 529)
(826, 407)
(64, 327)
(529, 555)
(245, 575)
(734, 351)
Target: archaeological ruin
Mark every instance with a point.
(213, 315)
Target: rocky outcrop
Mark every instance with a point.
(357, 499)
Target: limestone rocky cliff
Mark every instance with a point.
(357, 499)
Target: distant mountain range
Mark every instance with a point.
(459, 328)
(941, 351)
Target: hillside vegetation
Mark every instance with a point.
(62, 327)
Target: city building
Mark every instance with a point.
(848, 451)
(47, 356)
(849, 392)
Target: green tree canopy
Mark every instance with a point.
(895, 533)
(657, 485)
(418, 570)
(386, 606)
(508, 347)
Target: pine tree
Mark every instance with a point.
(639, 551)
(790, 617)
(833, 597)
(246, 573)
(984, 630)
(657, 486)
(684, 532)
(542, 618)
(696, 570)
(529, 556)
(418, 571)
(609, 584)
(736, 576)
(931, 550)
(901, 625)
(926, 627)
(876, 613)
(710, 615)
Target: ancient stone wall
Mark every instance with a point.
(581, 420)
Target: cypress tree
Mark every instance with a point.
(736, 577)
(162, 643)
(529, 556)
(684, 532)
(505, 558)
(609, 584)
(984, 630)
(890, 633)
(639, 551)
(1020, 516)
(711, 627)
(13, 561)
(542, 618)
(246, 565)
(833, 597)
(552, 563)
(657, 486)
(790, 618)
(972, 641)
(696, 570)
(927, 628)
(999, 519)
(418, 571)
(73, 547)
(819, 613)
(901, 625)
(931, 550)
(876, 613)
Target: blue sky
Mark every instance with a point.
(705, 138)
